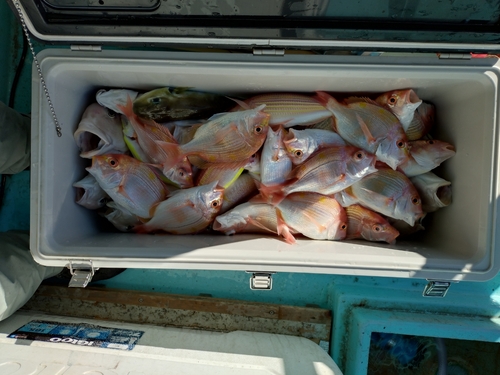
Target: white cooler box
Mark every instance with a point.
(459, 243)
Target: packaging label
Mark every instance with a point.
(78, 334)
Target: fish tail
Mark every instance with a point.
(128, 109)
(327, 101)
(283, 229)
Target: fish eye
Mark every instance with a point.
(111, 114)
(359, 155)
(431, 142)
(400, 143)
(113, 162)
(376, 228)
(343, 226)
(298, 153)
(155, 100)
(258, 129)
(415, 200)
(215, 203)
(392, 100)
(181, 173)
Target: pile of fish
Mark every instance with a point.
(180, 161)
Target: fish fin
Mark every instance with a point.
(364, 99)
(257, 199)
(241, 103)
(258, 224)
(283, 229)
(364, 128)
(374, 195)
(174, 154)
(272, 194)
(163, 131)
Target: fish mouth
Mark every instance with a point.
(449, 148)
(80, 192)
(413, 98)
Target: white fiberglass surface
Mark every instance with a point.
(457, 238)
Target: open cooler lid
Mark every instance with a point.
(459, 26)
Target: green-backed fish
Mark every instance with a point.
(179, 103)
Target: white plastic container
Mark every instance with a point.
(162, 350)
(460, 240)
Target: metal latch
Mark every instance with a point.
(261, 280)
(85, 47)
(81, 275)
(268, 52)
(436, 288)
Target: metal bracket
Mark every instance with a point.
(268, 52)
(81, 275)
(455, 56)
(261, 280)
(436, 288)
(85, 47)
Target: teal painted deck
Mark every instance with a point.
(344, 295)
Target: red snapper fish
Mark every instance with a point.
(130, 183)
(367, 125)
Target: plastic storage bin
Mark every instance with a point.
(460, 240)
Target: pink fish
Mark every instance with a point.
(328, 171)
(230, 138)
(89, 194)
(248, 218)
(367, 125)
(148, 135)
(425, 155)
(186, 211)
(403, 103)
(99, 132)
(243, 188)
(288, 109)
(387, 192)
(366, 224)
(314, 215)
(130, 183)
(422, 122)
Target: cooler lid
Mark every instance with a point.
(456, 25)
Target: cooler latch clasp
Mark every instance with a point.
(81, 274)
(261, 280)
(436, 288)
(85, 47)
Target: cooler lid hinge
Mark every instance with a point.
(86, 47)
(81, 273)
(455, 56)
(269, 52)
